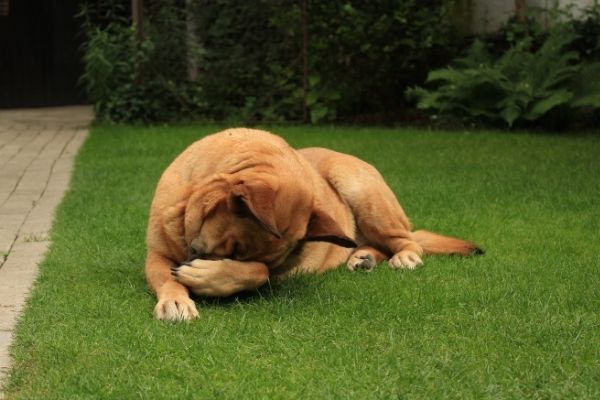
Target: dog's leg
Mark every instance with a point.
(220, 278)
(365, 258)
(174, 303)
(381, 220)
(379, 217)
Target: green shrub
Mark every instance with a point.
(247, 66)
(587, 27)
(269, 60)
(362, 54)
(540, 77)
(136, 81)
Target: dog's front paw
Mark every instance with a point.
(209, 278)
(176, 309)
(406, 259)
(361, 259)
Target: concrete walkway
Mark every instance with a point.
(37, 148)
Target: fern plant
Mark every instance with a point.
(520, 85)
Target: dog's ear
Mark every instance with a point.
(202, 200)
(257, 201)
(323, 228)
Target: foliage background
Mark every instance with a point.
(339, 61)
(269, 60)
(535, 76)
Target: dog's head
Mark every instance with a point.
(256, 218)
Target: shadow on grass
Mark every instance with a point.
(295, 287)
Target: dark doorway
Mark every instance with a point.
(40, 62)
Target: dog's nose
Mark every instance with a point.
(193, 254)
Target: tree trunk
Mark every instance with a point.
(521, 15)
(192, 44)
(520, 8)
(304, 52)
(137, 14)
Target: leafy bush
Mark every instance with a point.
(248, 69)
(133, 81)
(362, 54)
(270, 60)
(525, 83)
(587, 28)
(337, 58)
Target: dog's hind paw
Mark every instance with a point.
(405, 260)
(361, 260)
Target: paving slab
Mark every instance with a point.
(37, 149)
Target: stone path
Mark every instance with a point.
(37, 148)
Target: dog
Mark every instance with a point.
(241, 206)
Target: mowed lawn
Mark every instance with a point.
(521, 321)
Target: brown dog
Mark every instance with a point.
(240, 206)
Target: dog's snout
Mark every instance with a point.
(193, 254)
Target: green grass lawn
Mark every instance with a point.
(522, 321)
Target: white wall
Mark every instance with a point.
(487, 16)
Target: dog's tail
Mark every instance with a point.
(433, 243)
